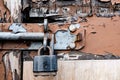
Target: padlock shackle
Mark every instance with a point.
(50, 50)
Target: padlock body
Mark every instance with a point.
(45, 63)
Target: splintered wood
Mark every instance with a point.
(79, 70)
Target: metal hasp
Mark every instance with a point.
(21, 36)
(44, 64)
(63, 39)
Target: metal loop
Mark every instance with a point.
(45, 25)
(45, 42)
(50, 50)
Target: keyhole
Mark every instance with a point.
(45, 65)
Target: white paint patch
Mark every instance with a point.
(11, 63)
(14, 6)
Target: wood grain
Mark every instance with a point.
(79, 70)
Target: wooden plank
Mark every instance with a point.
(28, 74)
(65, 70)
(79, 70)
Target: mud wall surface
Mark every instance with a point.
(106, 37)
(102, 34)
(4, 13)
(1, 69)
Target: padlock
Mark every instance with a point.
(45, 63)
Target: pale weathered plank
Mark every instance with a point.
(79, 70)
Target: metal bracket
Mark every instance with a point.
(64, 40)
